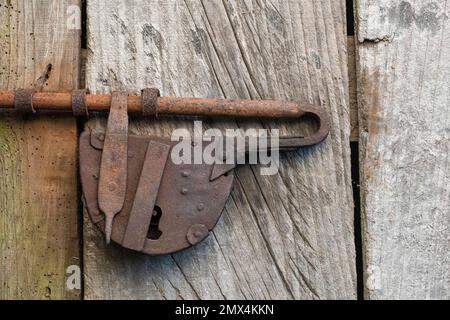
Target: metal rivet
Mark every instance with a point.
(185, 174)
(112, 187)
(201, 207)
(197, 233)
(184, 191)
(101, 137)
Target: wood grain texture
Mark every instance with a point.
(352, 88)
(288, 236)
(38, 184)
(403, 77)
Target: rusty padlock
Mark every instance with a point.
(141, 199)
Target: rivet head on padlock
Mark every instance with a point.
(184, 191)
(197, 233)
(201, 207)
(185, 174)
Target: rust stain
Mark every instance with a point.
(370, 97)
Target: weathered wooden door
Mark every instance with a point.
(287, 236)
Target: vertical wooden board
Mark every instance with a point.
(288, 236)
(38, 182)
(403, 77)
(352, 88)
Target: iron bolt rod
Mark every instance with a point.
(52, 101)
(58, 101)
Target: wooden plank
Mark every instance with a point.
(38, 183)
(288, 236)
(403, 77)
(352, 88)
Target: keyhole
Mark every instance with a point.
(153, 231)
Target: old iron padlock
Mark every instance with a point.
(143, 201)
